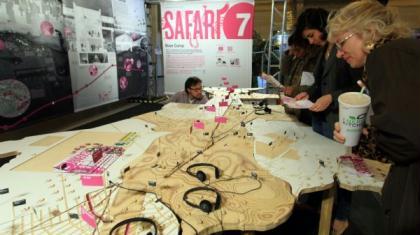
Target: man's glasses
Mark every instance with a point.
(196, 88)
(341, 43)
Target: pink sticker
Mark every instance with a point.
(220, 119)
(226, 83)
(230, 89)
(198, 124)
(92, 180)
(235, 86)
(223, 104)
(224, 78)
(123, 83)
(47, 28)
(88, 217)
(210, 108)
(93, 70)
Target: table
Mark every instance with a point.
(271, 156)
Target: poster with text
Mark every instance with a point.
(208, 39)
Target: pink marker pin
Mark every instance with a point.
(223, 104)
(198, 124)
(210, 108)
(88, 217)
(92, 180)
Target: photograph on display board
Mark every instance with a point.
(89, 31)
(107, 40)
(131, 47)
(34, 71)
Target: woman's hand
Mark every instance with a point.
(337, 136)
(302, 96)
(321, 103)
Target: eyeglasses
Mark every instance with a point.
(341, 43)
(196, 88)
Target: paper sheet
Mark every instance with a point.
(296, 104)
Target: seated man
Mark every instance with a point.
(192, 93)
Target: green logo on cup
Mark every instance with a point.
(355, 122)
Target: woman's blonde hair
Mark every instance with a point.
(370, 20)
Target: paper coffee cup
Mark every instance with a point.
(353, 109)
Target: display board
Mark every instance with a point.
(208, 39)
(107, 41)
(33, 62)
(62, 56)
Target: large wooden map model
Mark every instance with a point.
(256, 156)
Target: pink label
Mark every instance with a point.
(226, 83)
(198, 124)
(220, 119)
(92, 180)
(224, 78)
(223, 104)
(88, 217)
(211, 108)
(235, 86)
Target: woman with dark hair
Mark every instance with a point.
(333, 77)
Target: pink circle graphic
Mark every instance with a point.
(123, 83)
(128, 64)
(2, 45)
(47, 28)
(93, 70)
(238, 21)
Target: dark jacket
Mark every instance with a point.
(393, 78)
(332, 76)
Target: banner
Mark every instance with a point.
(208, 39)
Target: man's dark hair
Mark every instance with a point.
(313, 18)
(191, 81)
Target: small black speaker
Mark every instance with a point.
(205, 206)
(201, 176)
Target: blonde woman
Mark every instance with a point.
(372, 36)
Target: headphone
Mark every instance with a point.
(135, 219)
(204, 205)
(200, 175)
(262, 108)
